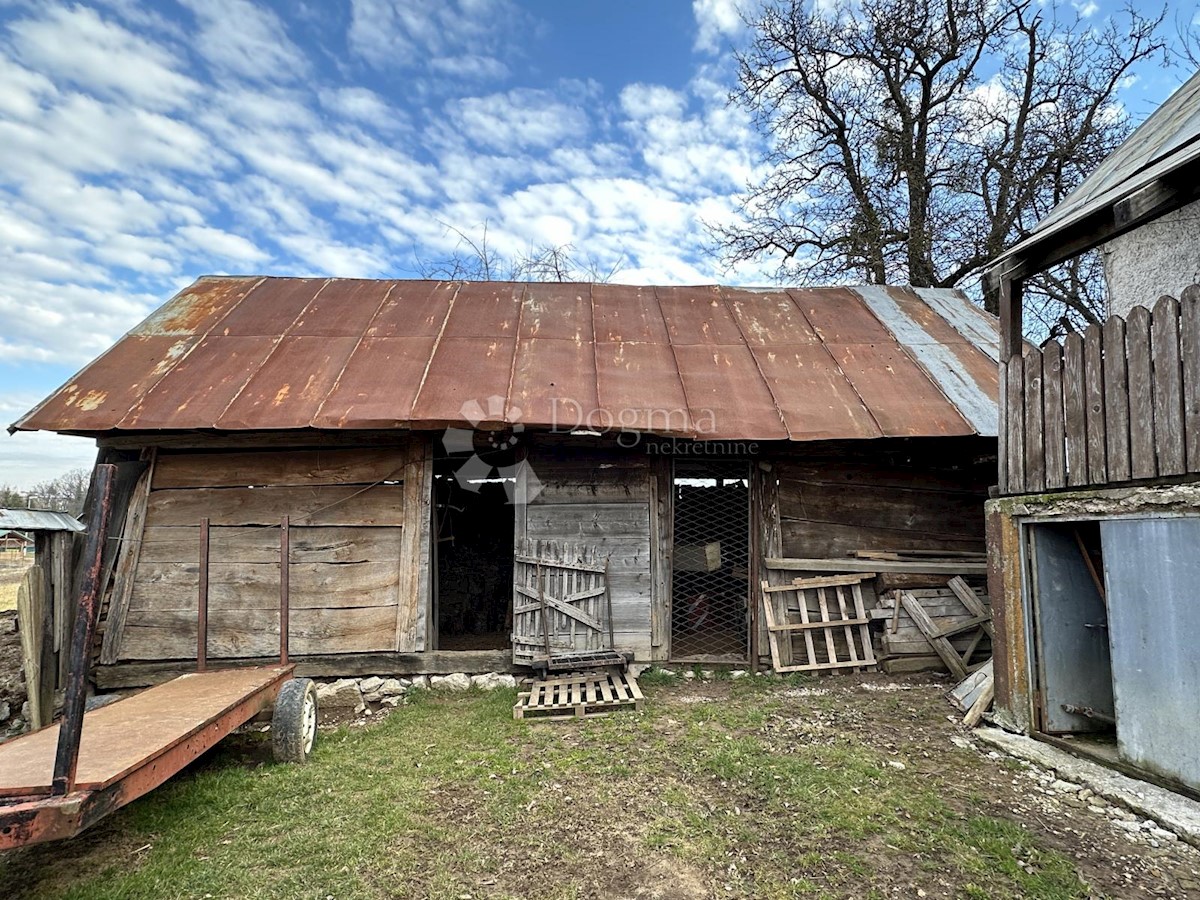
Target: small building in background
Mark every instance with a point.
(15, 541)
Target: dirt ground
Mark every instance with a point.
(12, 684)
(908, 719)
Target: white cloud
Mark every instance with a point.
(461, 38)
(330, 257)
(240, 38)
(522, 118)
(647, 101)
(365, 106)
(716, 20)
(220, 244)
(27, 458)
(80, 47)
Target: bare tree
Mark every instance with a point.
(476, 259)
(66, 493)
(913, 140)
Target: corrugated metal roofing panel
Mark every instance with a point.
(485, 310)
(195, 309)
(769, 318)
(726, 395)
(38, 520)
(291, 385)
(968, 379)
(969, 320)
(199, 388)
(557, 311)
(336, 353)
(413, 309)
(465, 370)
(839, 316)
(552, 378)
(377, 387)
(277, 303)
(627, 313)
(698, 316)
(343, 308)
(902, 399)
(100, 395)
(812, 393)
(638, 384)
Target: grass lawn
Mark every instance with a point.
(726, 789)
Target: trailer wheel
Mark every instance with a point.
(294, 724)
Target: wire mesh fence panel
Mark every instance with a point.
(711, 561)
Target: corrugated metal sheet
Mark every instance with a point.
(37, 520)
(708, 362)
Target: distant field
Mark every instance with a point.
(12, 570)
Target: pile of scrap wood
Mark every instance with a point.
(934, 629)
(974, 694)
(927, 610)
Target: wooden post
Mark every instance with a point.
(66, 758)
(1011, 339)
(612, 637)
(545, 616)
(284, 560)
(202, 602)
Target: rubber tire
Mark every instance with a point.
(294, 724)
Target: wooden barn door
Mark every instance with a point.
(561, 605)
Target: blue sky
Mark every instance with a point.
(144, 144)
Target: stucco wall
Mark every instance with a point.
(1162, 257)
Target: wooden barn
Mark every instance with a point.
(1094, 541)
(438, 462)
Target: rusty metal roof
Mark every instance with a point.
(37, 520)
(712, 362)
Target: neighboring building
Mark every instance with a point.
(1094, 544)
(1161, 255)
(437, 446)
(15, 540)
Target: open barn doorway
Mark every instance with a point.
(473, 524)
(710, 577)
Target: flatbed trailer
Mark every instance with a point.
(61, 779)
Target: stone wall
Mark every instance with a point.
(343, 698)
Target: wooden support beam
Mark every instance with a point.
(949, 567)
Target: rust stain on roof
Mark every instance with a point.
(705, 362)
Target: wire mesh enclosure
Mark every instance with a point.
(711, 562)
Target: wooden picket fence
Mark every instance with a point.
(1120, 403)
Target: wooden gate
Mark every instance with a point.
(562, 609)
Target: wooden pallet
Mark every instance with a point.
(808, 634)
(578, 695)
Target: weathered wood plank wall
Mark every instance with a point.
(1119, 403)
(347, 510)
(880, 495)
